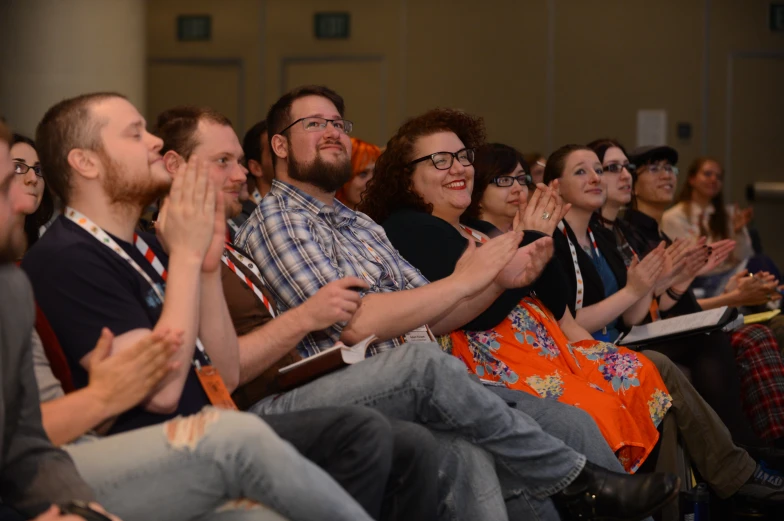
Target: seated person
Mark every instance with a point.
(107, 275)
(302, 239)
(34, 475)
(724, 466)
(607, 299)
(756, 352)
(701, 212)
(363, 161)
(517, 341)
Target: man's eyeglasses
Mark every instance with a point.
(444, 160)
(22, 168)
(657, 169)
(617, 168)
(505, 181)
(316, 124)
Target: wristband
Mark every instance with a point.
(674, 295)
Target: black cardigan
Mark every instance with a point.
(592, 281)
(434, 246)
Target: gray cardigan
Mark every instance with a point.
(33, 473)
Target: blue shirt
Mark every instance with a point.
(301, 244)
(610, 288)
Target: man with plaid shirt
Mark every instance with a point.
(302, 239)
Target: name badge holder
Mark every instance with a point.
(208, 375)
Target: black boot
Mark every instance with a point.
(600, 494)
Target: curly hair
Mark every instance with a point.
(391, 187)
(492, 160)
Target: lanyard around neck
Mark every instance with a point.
(240, 258)
(580, 296)
(256, 196)
(104, 238)
(473, 233)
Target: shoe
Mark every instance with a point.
(765, 485)
(602, 495)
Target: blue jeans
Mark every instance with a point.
(418, 382)
(198, 467)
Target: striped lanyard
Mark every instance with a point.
(104, 238)
(233, 226)
(240, 258)
(256, 196)
(475, 234)
(577, 272)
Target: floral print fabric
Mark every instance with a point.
(620, 389)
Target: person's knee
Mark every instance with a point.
(366, 428)
(662, 362)
(224, 427)
(414, 443)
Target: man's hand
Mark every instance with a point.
(335, 302)
(124, 380)
(212, 258)
(527, 264)
(479, 266)
(546, 201)
(186, 220)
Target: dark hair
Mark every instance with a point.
(557, 162)
(390, 188)
(719, 220)
(533, 157)
(251, 143)
(177, 127)
(492, 160)
(5, 133)
(66, 126)
(601, 146)
(279, 115)
(45, 210)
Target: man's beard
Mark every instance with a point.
(323, 175)
(123, 190)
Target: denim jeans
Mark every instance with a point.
(420, 383)
(202, 465)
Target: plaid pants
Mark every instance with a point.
(762, 379)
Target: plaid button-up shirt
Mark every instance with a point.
(301, 244)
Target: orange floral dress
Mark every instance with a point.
(620, 389)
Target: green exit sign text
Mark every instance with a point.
(777, 17)
(332, 25)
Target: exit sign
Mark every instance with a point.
(332, 26)
(777, 17)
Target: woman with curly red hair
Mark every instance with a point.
(363, 160)
(421, 187)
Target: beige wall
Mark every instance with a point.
(541, 72)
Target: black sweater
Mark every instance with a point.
(434, 246)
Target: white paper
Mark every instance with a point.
(651, 127)
(669, 326)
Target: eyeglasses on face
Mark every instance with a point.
(659, 169)
(617, 168)
(317, 124)
(505, 181)
(22, 168)
(444, 160)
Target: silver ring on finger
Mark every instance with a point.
(546, 216)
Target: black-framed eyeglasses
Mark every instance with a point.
(444, 160)
(505, 181)
(617, 168)
(22, 168)
(317, 124)
(658, 169)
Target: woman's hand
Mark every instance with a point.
(543, 212)
(718, 253)
(643, 274)
(526, 265)
(741, 218)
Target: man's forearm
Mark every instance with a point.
(216, 330)
(389, 315)
(264, 346)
